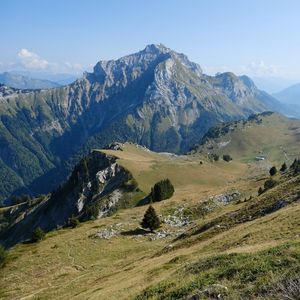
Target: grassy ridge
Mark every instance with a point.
(249, 257)
(273, 136)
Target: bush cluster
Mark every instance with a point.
(269, 183)
(38, 235)
(213, 157)
(73, 222)
(162, 190)
(227, 157)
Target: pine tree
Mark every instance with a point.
(150, 219)
(273, 171)
(260, 190)
(283, 167)
(295, 162)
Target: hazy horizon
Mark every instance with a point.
(54, 37)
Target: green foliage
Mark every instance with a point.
(162, 190)
(73, 222)
(96, 187)
(38, 235)
(91, 212)
(19, 199)
(295, 166)
(227, 157)
(213, 157)
(3, 256)
(150, 220)
(273, 171)
(269, 184)
(283, 167)
(246, 275)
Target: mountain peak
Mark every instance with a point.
(157, 48)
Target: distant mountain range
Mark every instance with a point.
(156, 98)
(23, 82)
(290, 95)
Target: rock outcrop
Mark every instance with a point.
(94, 189)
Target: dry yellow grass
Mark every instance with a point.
(72, 264)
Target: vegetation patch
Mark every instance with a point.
(242, 275)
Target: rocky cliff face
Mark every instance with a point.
(156, 98)
(95, 189)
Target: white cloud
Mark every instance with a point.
(261, 69)
(27, 60)
(255, 69)
(31, 60)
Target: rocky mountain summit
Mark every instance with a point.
(156, 98)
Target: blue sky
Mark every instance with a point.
(259, 38)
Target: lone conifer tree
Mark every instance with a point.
(283, 167)
(150, 219)
(273, 171)
(260, 190)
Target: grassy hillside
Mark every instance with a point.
(185, 172)
(271, 135)
(243, 245)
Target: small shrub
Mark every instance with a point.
(213, 157)
(269, 184)
(38, 235)
(150, 220)
(283, 167)
(91, 212)
(273, 171)
(227, 157)
(73, 222)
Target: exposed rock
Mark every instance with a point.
(106, 233)
(110, 203)
(177, 219)
(114, 146)
(95, 182)
(194, 296)
(227, 197)
(216, 291)
(160, 235)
